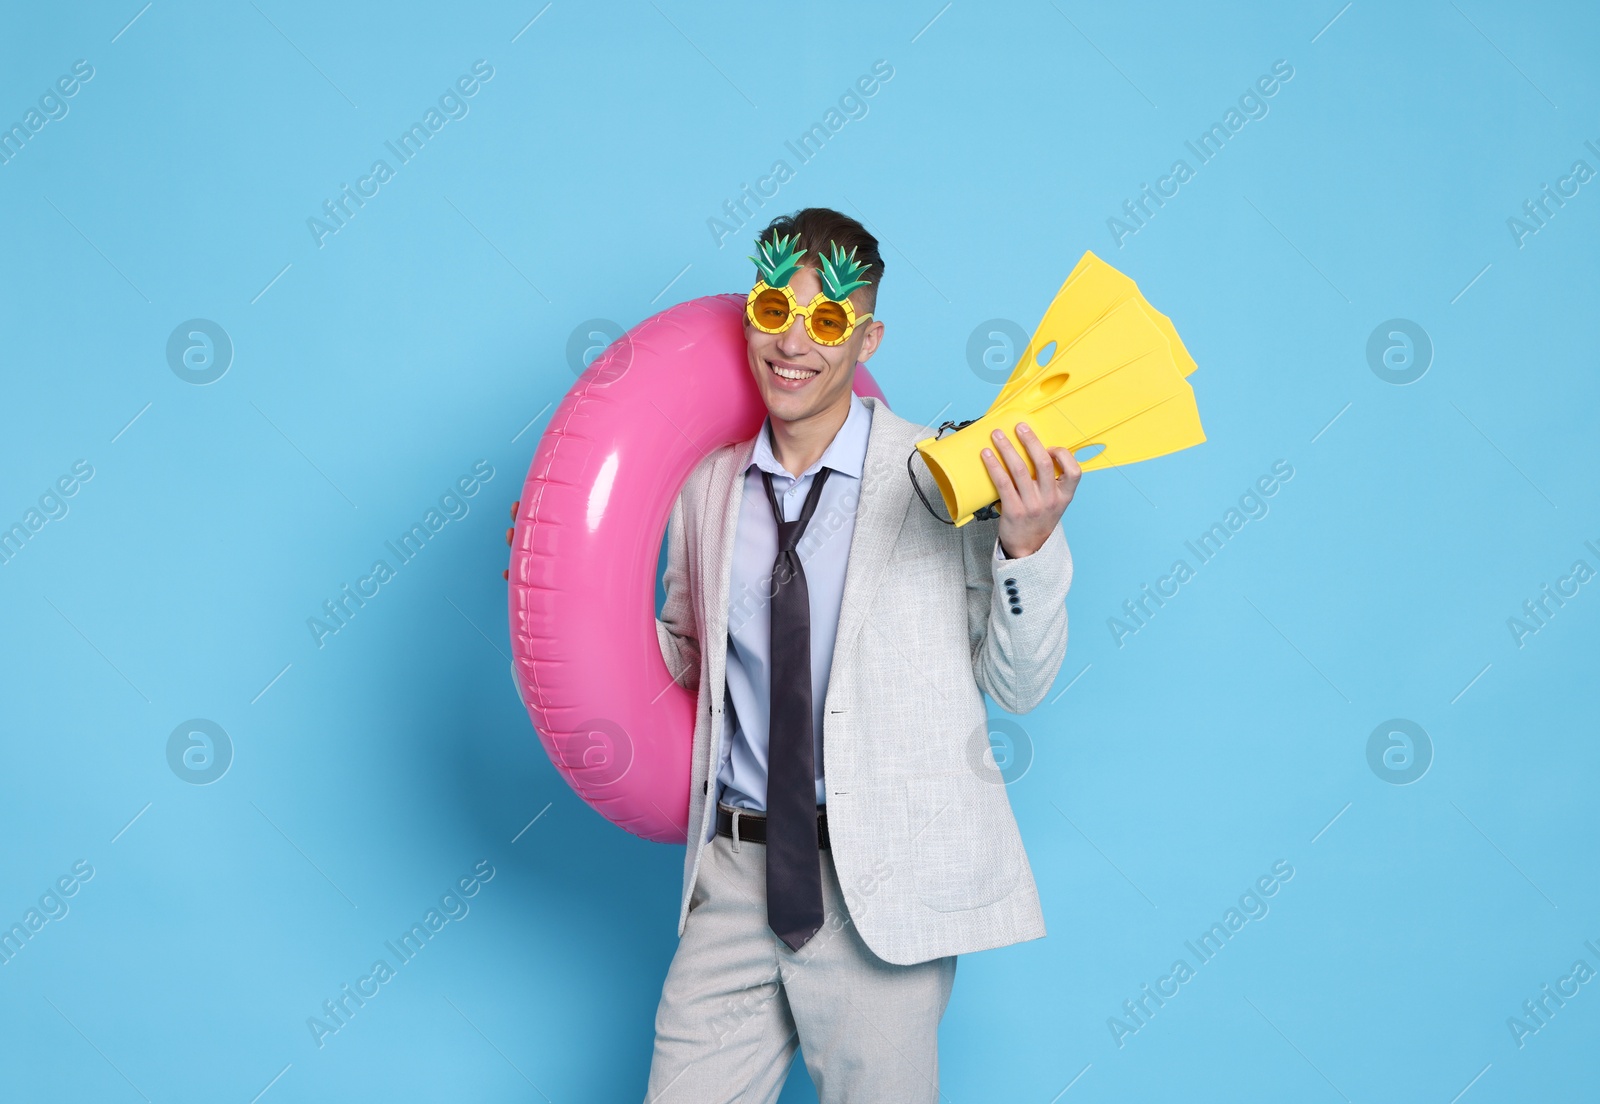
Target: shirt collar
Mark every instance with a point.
(846, 454)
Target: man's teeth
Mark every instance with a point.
(791, 373)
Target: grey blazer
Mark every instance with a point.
(920, 825)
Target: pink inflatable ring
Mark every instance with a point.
(586, 547)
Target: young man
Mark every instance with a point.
(848, 835)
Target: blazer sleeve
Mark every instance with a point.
(675, 627)
(1016, 655)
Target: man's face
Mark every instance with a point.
(829, 370)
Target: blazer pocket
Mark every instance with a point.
(922, 573)
(914, 569)
(964, 853)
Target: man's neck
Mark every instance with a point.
(799, 444)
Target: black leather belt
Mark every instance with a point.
(753, 825)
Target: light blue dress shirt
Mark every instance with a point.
(824, 551)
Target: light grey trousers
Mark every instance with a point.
(738, 1003)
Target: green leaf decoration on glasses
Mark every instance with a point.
(778, 260)
(841, 273)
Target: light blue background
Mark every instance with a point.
(1228, 733)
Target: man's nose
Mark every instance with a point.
(795, 339)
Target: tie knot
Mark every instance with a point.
(790, 532)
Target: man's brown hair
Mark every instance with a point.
(819, 228)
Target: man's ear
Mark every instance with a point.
(872, 336)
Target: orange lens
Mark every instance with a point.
(770, 311)
(828, 322)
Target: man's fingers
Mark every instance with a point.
(1009, 502)
(1027, 489)
(1044, 466)
(1069, 465)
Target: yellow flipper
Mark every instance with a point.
(1115, 378)
(1091, 290)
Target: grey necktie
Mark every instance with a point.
(794, 856)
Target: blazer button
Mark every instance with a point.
(1016, 609)
(1011, 582)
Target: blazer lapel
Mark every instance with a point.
(726, 488)
(880, 512)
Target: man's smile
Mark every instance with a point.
(790, 376)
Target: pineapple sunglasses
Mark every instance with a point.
(772, 310)
(830, 318)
